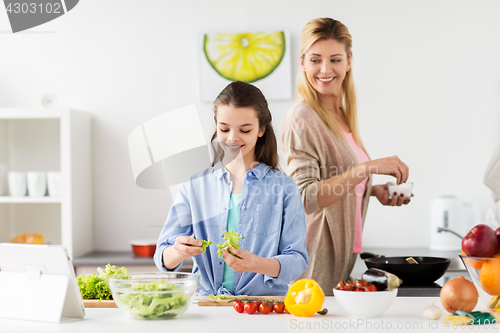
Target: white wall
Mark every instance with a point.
(427, 73)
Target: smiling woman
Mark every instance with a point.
(326, 157)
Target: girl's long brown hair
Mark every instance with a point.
(239, 95)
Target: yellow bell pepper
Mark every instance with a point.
(304, 298)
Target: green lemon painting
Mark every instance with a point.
(260, 58)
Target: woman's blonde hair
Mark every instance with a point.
(324, 29)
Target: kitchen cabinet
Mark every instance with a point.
(49, 140)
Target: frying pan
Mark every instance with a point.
(428, 269)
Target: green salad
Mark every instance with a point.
(97, 287)
(153, 301)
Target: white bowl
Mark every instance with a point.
(404, 189)
(369, 304)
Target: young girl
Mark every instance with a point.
(244, 192)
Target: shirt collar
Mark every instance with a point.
(258, 172)
(219, 170)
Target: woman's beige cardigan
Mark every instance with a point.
(314, 153)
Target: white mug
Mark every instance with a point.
(37, 184)
(54, 183)
(17, 183)
(3, 178)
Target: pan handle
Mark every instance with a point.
(367, 255)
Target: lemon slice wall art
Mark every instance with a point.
(260, 58)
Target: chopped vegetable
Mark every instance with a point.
(150, 301)
(204, 245)
(231, 239)
(96, 287)
(304, 298)
(359, 285)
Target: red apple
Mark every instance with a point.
(481, 241)
(497, 232)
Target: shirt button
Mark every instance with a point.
(220, 263)
(243, 207)
(225, 208)
(247, 182)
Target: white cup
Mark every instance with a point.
(37, 184)
(3, 178)
(404, 189)
(17, 183)
(54, 183)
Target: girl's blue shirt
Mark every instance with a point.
(272, 225)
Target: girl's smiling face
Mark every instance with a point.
(238, 131)
(326, 64)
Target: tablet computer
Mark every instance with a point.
(31, 270)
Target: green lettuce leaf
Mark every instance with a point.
(97, 287)
(231, 239)
(153, 305)
(204, 245)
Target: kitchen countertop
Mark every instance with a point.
(405, 314)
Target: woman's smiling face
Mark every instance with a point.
(326, 64)
(238, 131)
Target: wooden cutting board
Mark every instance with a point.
(214, 301)
(95, 303)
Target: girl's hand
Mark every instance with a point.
(184, 249)
(391, 166)
(247, 262)
(380, 191)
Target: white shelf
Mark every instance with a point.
(8, 199)
(37, 139)
(30, 113)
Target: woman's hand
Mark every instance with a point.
(391, 166)
(245, 263)
(183, 248)
(380, 191)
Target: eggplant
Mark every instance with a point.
(381, 279)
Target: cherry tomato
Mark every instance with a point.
(250, 308)
(279, 307)
(360, 289)
(239, 306)
(371, 287)
(257, 305)
(361, 283)
(265, 308)
(340, 285)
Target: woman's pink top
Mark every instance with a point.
(360, 190)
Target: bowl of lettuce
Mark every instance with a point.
(154, 295)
